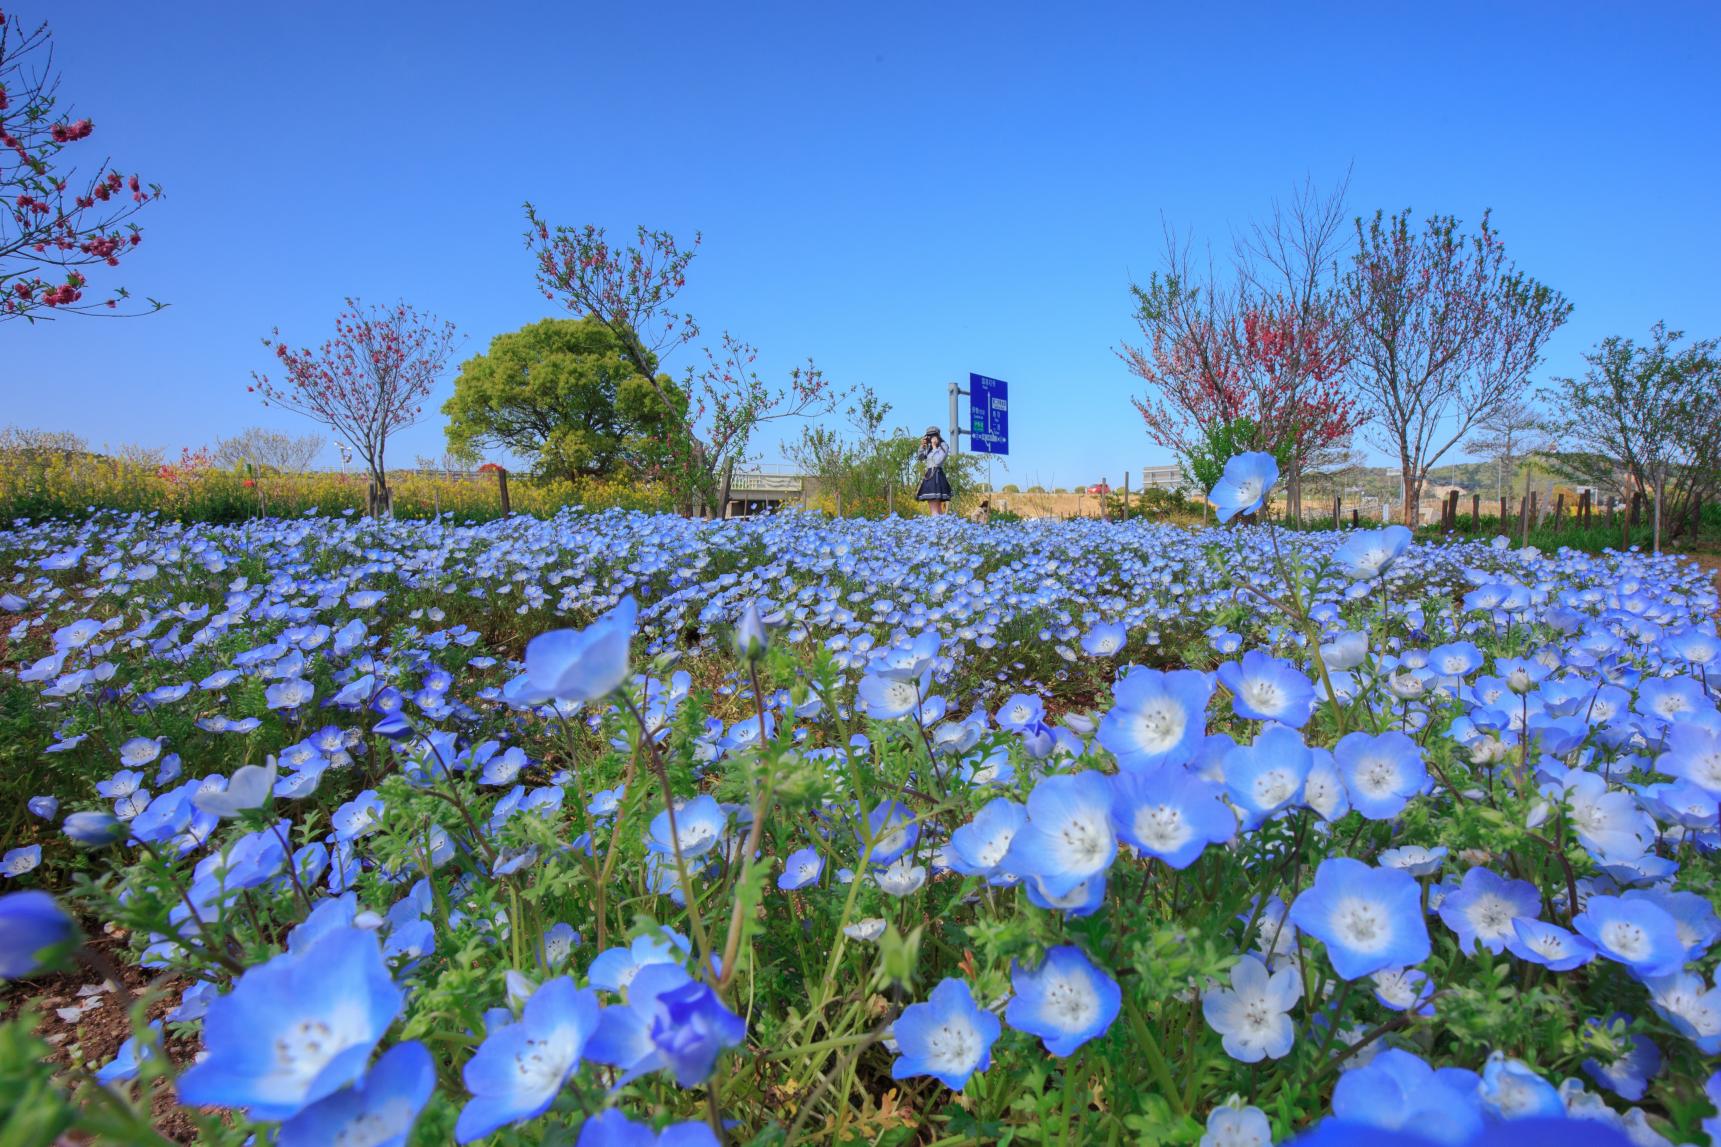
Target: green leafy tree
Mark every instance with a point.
(567, 394)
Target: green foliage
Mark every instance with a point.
(1204, 464)
(565, 393)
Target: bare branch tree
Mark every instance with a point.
(264, 449)
(1443, 330)
(1508, 435)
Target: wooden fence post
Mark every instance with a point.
(1503, 526)
(1353, 517)
(502, 489)
(1524, 520)
(1475, 513)
(1559, 510)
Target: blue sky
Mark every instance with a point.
(906, 192)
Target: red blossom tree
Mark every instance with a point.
(1261, 353)
(52, 224)
(368, 381)
(632, 289)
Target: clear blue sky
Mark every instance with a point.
(906, 192)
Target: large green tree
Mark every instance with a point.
(566, 394)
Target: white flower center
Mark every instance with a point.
(1162, 827)
(954, 1046)
(1071, 1003)
(1362, 924)
(1159, 725)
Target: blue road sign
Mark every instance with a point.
(988, 414)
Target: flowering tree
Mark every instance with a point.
(368, 381)
(1257, 362)
(1443, 330)
(632, 289)
(52, 225)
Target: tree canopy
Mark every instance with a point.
(565, 393)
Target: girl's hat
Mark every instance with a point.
(933, 432)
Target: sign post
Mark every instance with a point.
(988, 414)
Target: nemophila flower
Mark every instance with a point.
(45, 807)
(1066, 1001)
(800, 868)
(948, 1037)
(517, 1071)
(128, 1060)
(1693, 916)
(1253, 1015)
(1694, 1011)
(669, 1022)
(1157, 718)
(1404, 990)
(296, 1029)
(586, 664)
(1068, 836)
(289, 694)
(1267, 688)
(1022, 711)
(248, 788)
(1369, 918)
(377, 1111)
(21, 860)
(34, 932)
(1398, 1090)
(699, 825)
(1484, 907)
(135, 754)
(1414, 859)
(357, 817)
(1627, 1074)
(1549, 945)
(92, 829)
(1637, 933)
(610, 1128)
(1366, 554)
(750, 638)
(1324, 788)
(1267, 775)
(979, 847)
(884, 698)
(615, 968)
(891, 829)
(1244, 486)
(1381, 771)
(1230, 1126)
(1170, 814)
(1511, 1089)
(1693, 753)
(1105, 639)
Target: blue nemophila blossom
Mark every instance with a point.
(1637, 933)
(1253, 1015)
(248, 788)
(1549, 945)
(1232, 1126)
(1404, 990)
(1244, 486)
(378, 1111)
(1366, 554)
(92, 829)
(1021, 712)
(128, 1060)
(1484, 907)
(1398, 1090)
(614, 969)
(1267, 688)
(800, 868)
(891, 829)
(1157, 719)
(670, 1021)
(1268, 775)
(1693, 753)
(1627, 1074)
(887, 698)
(978, 848)
(518, 1070)
(1170, 814)
(295, 1029)
(1066, 1001)
(1105, 639)
(19, 861)
(699, 825)
(1414, 859)
(1511, 1089)
(1693, 916)
(1068, 838)
(750, 639)
(358, 817)
(1381, 772)
(587, 664)
(1369, 918)
(948, 1037)
(610, 1128)
(34, 930)
(45, 807)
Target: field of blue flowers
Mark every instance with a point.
(623, 828)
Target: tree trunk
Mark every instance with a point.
(724, 488)
(1660, 496)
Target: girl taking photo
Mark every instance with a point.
(934, 487)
